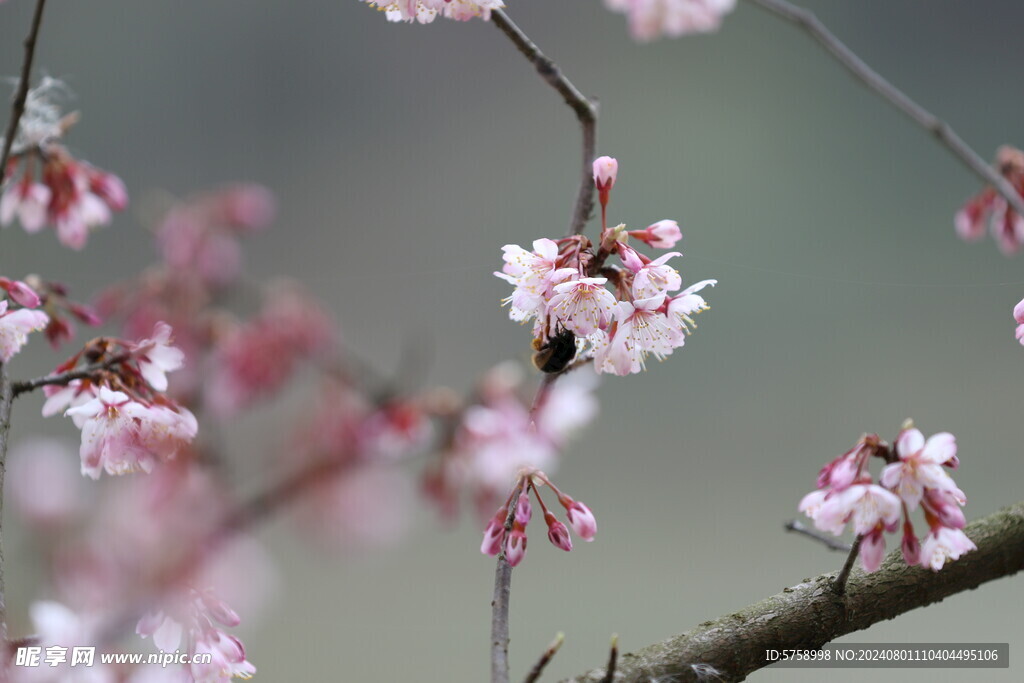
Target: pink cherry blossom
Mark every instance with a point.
(944, 545)
(651, 19)
(27, 201)
(989, 209)
(641, 330)
(920, 466)
(865, 505)
(15, 326)
(425, 11)
(660, 235)
(494, 534)
(515, 545)
(121, 435)
(656, 277)
(583, 306)
(156, 357)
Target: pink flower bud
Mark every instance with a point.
(661, 235)
(515, 546)
(1018, 312)
(219, 610)
(494, 534)
(911, 546)
(581, 519)
(524, 511)
(943, 506)
(872, 550)
(20, 292)
(558, 534)
(605, 171)
(110, 189)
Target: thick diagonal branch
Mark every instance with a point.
(584, 108)
(18, 107)
(806, 20)
(811, 614)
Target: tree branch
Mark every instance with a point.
(810, 614)
(6, 401)
(500, 601)
(806, 20)
(65, 378)
(18, 107)
(585, 109)
(827, 541)
(549, 653)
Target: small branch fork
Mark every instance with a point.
(832, 544)
(941, 130)
(584, 108)
(18, 107)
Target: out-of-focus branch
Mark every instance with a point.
(585, 109)
(18, 107)
(810, 614)
(6, 401)
(827, 541)
(65, 378)
(941, 130)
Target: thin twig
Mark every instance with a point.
(839, 585)
(18, 107)
(941, 130)
(65, 378)
(585, 109)
(613, 660)
(549, 653)
(6, 401)
(500, 602)
(832, 544)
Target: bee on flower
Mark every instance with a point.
(584, 307)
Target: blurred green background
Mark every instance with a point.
(403, 157)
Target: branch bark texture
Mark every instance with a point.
(941, 130)
(811, 613)
(6, 401)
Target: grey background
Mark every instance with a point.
(405, 156)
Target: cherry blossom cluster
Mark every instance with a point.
(18, 317)
(490, 442)
(128, 424)
(562, 285)
(989, 212)
(912, 478)
(425, 11)
(513, 541)
(651, 19)
(54, 188)
(199, 621)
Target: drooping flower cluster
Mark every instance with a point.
(651, 19)
(54, 188)
(989, 211)
(497, 437)
(513, 541)
(127, 423)
(18, 317)
(912, 478)
(562, 286)
(425, 11)
(200, 620)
